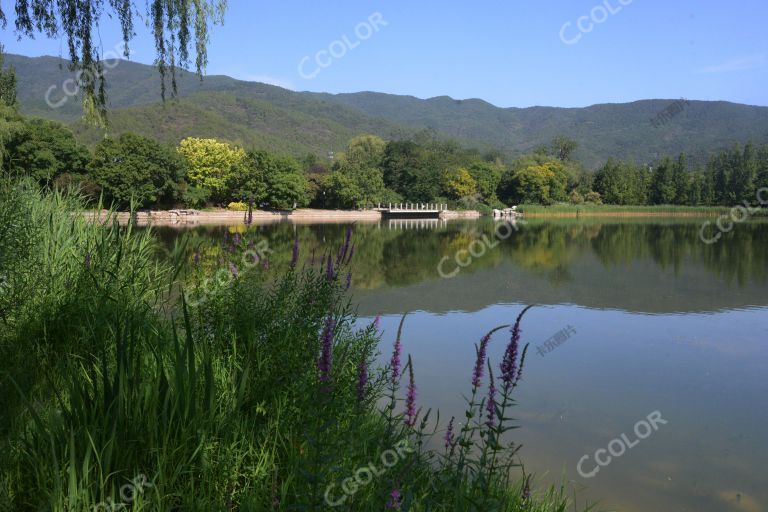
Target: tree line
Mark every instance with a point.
(132, 169)
(730, 177)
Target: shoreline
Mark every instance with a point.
(260, 217)
(576, 215)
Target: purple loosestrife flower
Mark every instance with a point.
(410, 398)
(349, 280)
(295, 255)
(448, 438)
(377, 322)
(477, 374)
(236, 239)
(394, 499)
(362, 379)
(196, 258)
(266, 264)
(234, 270)
(395, 362)
(326, 350)
(490, 406)
(509, 363)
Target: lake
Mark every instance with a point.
(651, 321)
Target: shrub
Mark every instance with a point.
(238, 207)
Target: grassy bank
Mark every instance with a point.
(593, 210)
(211, 382)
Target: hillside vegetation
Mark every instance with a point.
(276, 119)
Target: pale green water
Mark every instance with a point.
(663, 322)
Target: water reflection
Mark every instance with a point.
(651, 267)
(662, 321)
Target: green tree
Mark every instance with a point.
(136, 168)
(43, 150)
(534, 178)
(286, 184)
(487, 176)
(341, 190)
(743, 174)
(7, 83)
(363, 182)
(459, 183)
(563, 148)
(365, 151)
(663, 189)
(682, 180)
(622, 183)
(213, 166)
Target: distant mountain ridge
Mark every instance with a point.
(269, 117)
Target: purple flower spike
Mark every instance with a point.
(448, 438)
(326, 350)
(349, 280)
(234, 270)
(509, 363)
(236, 239)
(490, 407)
(196, 258)
(266, 264)
(295, 255)
(377, 322)
(477, 374)
(362, 379)
(410, 399)
(394, 499)
(482, 350)
(395, 362)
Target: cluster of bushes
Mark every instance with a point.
(260, 393)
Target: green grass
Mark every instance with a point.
(115, 390)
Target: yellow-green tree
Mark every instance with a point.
(460, 183)
(212, 165)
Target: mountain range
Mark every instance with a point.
(268, 117)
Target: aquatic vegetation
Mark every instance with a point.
(264, 396)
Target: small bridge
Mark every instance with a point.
(411, 210)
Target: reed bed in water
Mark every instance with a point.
(133, 382)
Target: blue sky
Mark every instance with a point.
(514, 53)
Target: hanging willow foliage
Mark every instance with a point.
(172, 22)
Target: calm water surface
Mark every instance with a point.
(662, 321)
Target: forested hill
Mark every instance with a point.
(276, 119)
